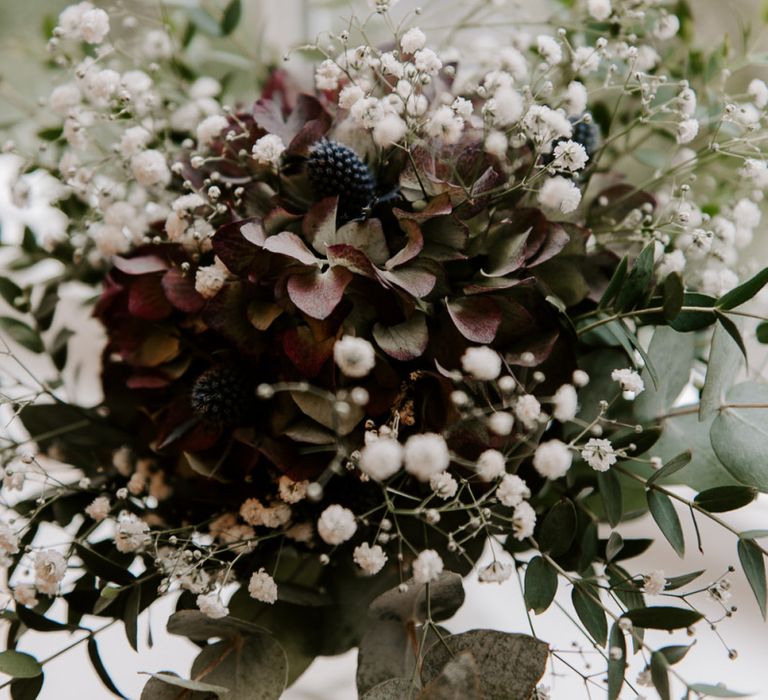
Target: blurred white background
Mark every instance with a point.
(69, 677)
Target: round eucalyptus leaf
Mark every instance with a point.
(446, 596)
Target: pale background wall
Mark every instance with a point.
(69, 677)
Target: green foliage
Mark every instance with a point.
(558, 529)
(752, 562)
(616, 663)
(22, 333)
(540, 584)
(585, 601)
(663, 618)
(231, 17)
(663, 512)
(725, 498)
(19, 665)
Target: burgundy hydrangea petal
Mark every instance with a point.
(180, 291)
(305, 353)
(477, 318)
(140, 265)
(319, 293)
(147, 300)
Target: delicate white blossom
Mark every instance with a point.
(50, 567)
(427, 566)
(560, 194)
(381, 458)
(565, 403)
(336, 524)
(131, 534)
(413, 40)
(210, 604)
(512, 490)
(483, 363)
(599, 9)
(425, 455)
(528, 410)
(552, 459)
(370, 559)
(98, 509)
(490, 465)
(630, 382)
(599, 454)
(655, 582)
(262, 587)
(268, 149)
(523, 521)
(443, 485)
(496, 572)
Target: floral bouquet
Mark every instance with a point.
(443, 302)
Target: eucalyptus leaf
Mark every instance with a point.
(178, 682)
(638, 282)
(446, 596)
(716, 691)
(752, 562)
(723, 499)
(510, 664)
(590, 612)
(739, 434)
(23, 334)
(662, 617)
(671, 467)
(660, 675)
(676, 653)
(558, 528)
(459, 680)
(19, 665)
(744, 292)
(663, 512)
(540, 585)
(392, 689)
(196, 625)
(612, 496)
(722, 366)
(231, 17)
(617, 663)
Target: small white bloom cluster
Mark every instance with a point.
(427, 566)
(355, 357)
(370, 559)
(336, 524)
(630, 382)
(262, 587)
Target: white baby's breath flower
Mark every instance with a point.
(50, 567)
(94, 26)
(585, 60)
(64, 98)
(549, 49)
(527, 411)
(575, 99)
(496, 143)
(687, 130)
(427, 567)
(355, 357)
(413, 40)
(560, 194)
(443, 485)
(552, 459)
(268, 149)
(336, 524)
(9, 541)
(98, 508)
(501, 423)
(570, 156)
(490, 465)
(667, 26)
(25, 594)
(349, 95)
(209, 279)
(496, 572)
(262, 587)
(426, 455)
(580, 378)
(630, 382)
(291, 491)
(565, 403)
(445, 125)
(210, 605)
(599, 454)
(370, 559)
(512, 491)
(327, 75)
(131, 534)
(210, 128)
(758, 91)
(150, 168)
(599, 9)
(427, 61)
(483, 363)
(523, 521)
(381, 458)
(655, 582)
(389, 130)
(134, 140)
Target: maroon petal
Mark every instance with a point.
(477, 318)
(146, 299)
(319, 293)
(180, 291)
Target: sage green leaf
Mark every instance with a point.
(663, 512)
(22, 334)
(613, 546)
(660, 675)
(674, 293)
(638, 282)
(558, 529)
(156, 689)
(27, 688)
(231, 17)
(673, 355)
(739, 434)
(716, 691)
(751, 559)
(405, 341)
(744, 292)
(661, 617)
(617, 280)
(613, 499)
(616, 663)
(392, 689)
(178, 682)
(459, 680)
(761, 332)
(511, 664)
(686, 432)
(590, 612)
(722, 367)
(540, 585)
(10, 291)
(687, 321)
(753, 534)
(387, 651)
(198, 626)
(19, 665)
(675, 582)
(250, 668)
(446, 596)
(676, 653)
(672, 467)
(733, 331)
(725, 498)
